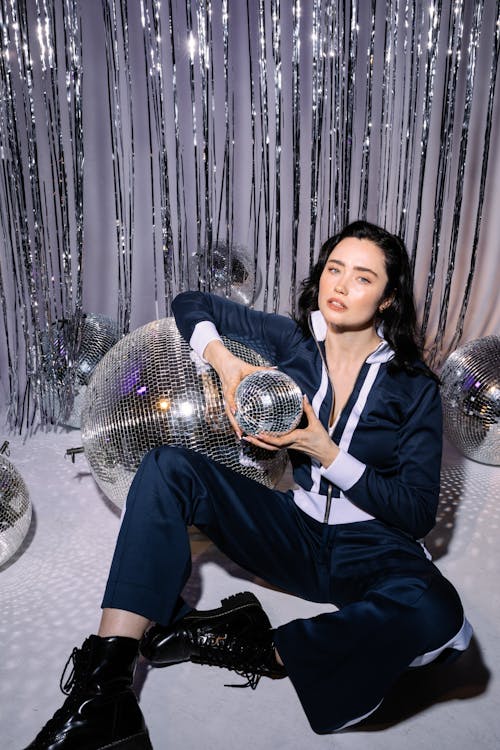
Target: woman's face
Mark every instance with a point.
(352, 284)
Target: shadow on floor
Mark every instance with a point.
(452, 489)
(30, 534)
(419, 689)
(416, 691)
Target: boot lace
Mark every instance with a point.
(71, 687)
(247, 658)
(67, 686)
(79, 659)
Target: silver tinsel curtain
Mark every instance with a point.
(140, 140)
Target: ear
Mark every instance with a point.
(386, 303)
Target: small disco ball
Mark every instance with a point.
(268, 401)
(229, 271)
(149, 390)
(470, 393)
(15, 510)
(86, 345)
(98, 335)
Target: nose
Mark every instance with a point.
(340, 288)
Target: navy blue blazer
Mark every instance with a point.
(389, 432)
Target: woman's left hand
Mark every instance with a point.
(313, 440)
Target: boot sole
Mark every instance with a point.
(137, 742)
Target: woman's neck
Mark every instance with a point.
(350, 347)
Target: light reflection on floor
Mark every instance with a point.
(50, 597)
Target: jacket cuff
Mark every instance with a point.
(204, 332)
(344, 471)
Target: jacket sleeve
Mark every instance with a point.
(201, 317)
(405, 496)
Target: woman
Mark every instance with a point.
(366, 463)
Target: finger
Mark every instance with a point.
(259, 443)
(229, 399)
(306, 405)
(234, 424)
(265, 437)
(305, 402)
(283, 440)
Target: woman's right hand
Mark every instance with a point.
(231, 371)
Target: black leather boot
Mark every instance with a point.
(101, 710)
(235, 636)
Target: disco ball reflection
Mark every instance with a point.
(15, 510)
(470, 393)
(84, 345)
(150, 389)
(229, 271)
(268, 401)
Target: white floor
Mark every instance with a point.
(50, 598)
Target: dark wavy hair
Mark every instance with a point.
(399, 319)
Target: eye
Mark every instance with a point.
(364, 280)
(334, 269)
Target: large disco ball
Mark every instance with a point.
(82, 347)
(150, 389)
(268, 401)
(470, 393)
(229, 271)
(15, 510)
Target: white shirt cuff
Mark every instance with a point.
(344, 471)
(204, 332)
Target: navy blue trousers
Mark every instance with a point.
(394, 604)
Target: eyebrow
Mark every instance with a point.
(356, 268)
